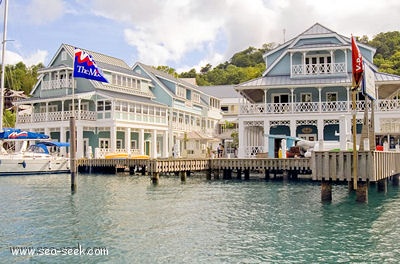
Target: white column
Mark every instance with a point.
(265, 136)
(319, 99)
(320, 125)
(47, 131)
(343, 132)
(166, 149)
(113, 138)
(79, 109)
(292, 128)
(348, 99)
(292, 100)
(170, 138)
(63, 136)
(128, 140)
(242, 143)
(79, 141)
(141, 141)
(154, 153)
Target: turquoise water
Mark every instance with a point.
(194, 222)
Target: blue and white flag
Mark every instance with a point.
(85, 67)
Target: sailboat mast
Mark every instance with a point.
(3, 55)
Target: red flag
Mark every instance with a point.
(357, 63)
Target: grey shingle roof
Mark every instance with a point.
(221, 91)
(285, 80)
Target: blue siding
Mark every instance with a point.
(282, 67)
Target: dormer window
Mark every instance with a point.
(181, 92)
(196, 97)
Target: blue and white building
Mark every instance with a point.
(141, 111)
(305, 92)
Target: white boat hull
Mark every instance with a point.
(31, 166)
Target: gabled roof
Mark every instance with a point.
(105, 62)
(160, 74)
(317, 29)
(157, 75)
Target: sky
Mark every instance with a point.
(182, 34)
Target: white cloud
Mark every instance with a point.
(41, 12)
(37, 57)
(13, 58)
(187, 34)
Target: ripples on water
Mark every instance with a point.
(196, 222)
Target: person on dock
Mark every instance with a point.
(220, 150)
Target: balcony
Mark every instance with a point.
(55, 117)
(384, 105)
(317, 69)
(57, 84)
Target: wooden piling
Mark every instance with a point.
(208, 174)
(183, 176)
(395, 180)
(155, 177)
(239, 174)
(326, 191)
(362, 192)
(247, 174)
(382, 185)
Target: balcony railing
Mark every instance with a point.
(57, 84)
(385, 105)
(56, 116)
(318, 69)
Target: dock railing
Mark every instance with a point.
(338, 165)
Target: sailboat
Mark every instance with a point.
(25, 152)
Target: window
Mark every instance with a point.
(100, 106)
(318, 64)
(133, 144)
(104, 143)
(63, 55)
(224, 108)
(119, 144)
(196, 97)
(103, 105)
(306, 97)
(280, 98)
(331, 97)
(53, 108)
(181, 92)
(107, 105)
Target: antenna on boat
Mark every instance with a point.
(3, 55)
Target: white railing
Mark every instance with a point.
(252, 151)
(56, 84)
(318, 69)
(392, 105)
(56, 116)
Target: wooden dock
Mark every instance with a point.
(328, 167)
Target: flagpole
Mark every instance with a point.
(3, 67)
(85, 67)
(355, 155)
(357, 71)
(72, 138)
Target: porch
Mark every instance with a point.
(380, 105)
